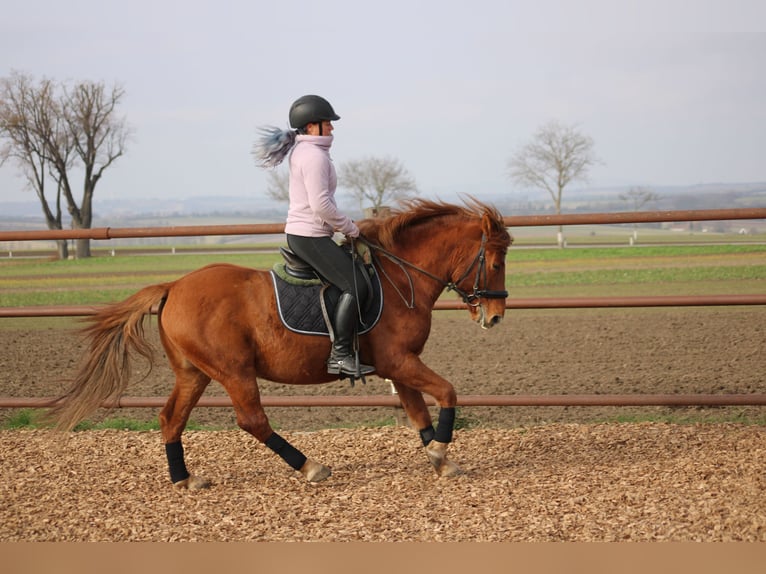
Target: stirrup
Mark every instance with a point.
(348, 365)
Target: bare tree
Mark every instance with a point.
(99, 137)
(51, 130)
(556, 156)
(278, 186)
(29, 119)
(637, 197)
(378, 181)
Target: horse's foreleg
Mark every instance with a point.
(435, 440)
(436, 449)
(252, 418)
(417, 411)
(173, 419)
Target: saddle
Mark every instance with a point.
(297, 268)
(306, 302)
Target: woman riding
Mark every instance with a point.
(313, 216)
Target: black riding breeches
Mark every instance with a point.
(332, 262)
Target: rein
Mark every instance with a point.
(470, 299)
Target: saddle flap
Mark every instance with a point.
(305, 308)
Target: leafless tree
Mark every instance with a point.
(278, 186)
(637, 197)
(28, 121)
(50, 130)
(377, 181)
(556, 156)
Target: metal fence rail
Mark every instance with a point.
(635, 400)
(277, 228)
(521, 303)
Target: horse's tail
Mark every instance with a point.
(115, 332)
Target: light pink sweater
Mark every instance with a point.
(313, 211)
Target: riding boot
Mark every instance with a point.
(343, 360)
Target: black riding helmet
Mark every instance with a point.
(311, 109)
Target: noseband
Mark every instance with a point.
(470, 299)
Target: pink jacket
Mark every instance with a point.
(312, 211)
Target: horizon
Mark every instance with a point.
(709, 196)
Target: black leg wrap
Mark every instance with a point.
(427, 435)
(176, 464)
(288, 452)
(446, 424)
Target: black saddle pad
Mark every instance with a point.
(300, 307)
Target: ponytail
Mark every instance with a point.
(272, 146)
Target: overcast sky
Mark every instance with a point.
(672, 92)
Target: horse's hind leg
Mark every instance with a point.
(190, 384)
(252, 418)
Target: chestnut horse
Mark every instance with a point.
(220, 322)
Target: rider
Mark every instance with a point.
(313, 216)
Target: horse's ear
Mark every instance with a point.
(487, 224)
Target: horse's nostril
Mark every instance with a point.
(491, 321)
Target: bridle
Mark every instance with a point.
(471, 299)
(480, 261)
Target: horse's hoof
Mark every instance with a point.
(437, 456)
(192, 483)
(315, 472)
(450, 469)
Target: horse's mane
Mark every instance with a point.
(412, 212)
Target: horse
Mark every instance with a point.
(220, 323)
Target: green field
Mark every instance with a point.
(692, 269)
